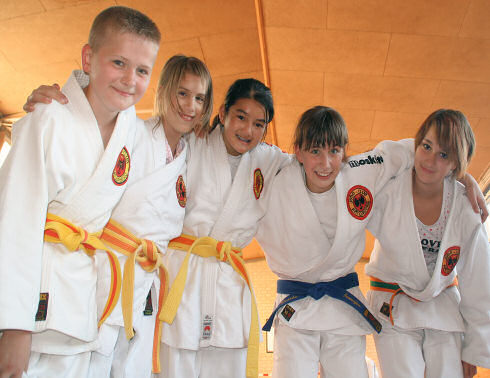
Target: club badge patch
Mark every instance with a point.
(258, 183)
(121, 170)
(450, 259)
(359, 202)
(181, 191)
(148, 311)
(42, 308)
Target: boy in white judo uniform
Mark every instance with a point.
(430, 267)
(150, 213)
(313, 235)
(68, 167)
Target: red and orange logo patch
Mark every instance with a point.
(121, 170)
(181, 191)
(359, 202)
(450, 259)
(258, 183)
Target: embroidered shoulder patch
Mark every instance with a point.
(181, 191)
(359, 202)
(287, 312)
(450, 259)
(42, 308)
(258, 183)
(121, 170)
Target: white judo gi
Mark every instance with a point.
(297, 248)
(152, 208)
(57, 164)
(438, 312)
(214, 314)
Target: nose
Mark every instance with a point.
(129, 77)
(325, 160)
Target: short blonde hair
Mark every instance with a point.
(454, 135)
(172, 74)
(123, 20)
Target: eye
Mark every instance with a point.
(426, 146)
(143, 72)
(259, 125)
(181, 93)
(335, 150)
(314, 151)
(240, 117)
(443, 155)
(118, 62)
(200, 99)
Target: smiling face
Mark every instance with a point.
(321, 165)
(432, 163)
(244, 125)
(187, 107)
(119, 71)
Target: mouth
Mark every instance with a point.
(123, 93)
(243, 140)
(324, 175)
(187, 118)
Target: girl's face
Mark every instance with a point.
(321, 165)
(187, 106)
(432, 163)
(244, 125)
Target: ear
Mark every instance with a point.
(297, 152)
(222, 114)
(87, 54)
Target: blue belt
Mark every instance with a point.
(336, 289)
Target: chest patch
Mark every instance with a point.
(258, 183)
(450, 259)
(359, 202)
(121, 170)
(181, 191)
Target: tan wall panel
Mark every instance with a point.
(18, 33)
(232, 53)
(296, 14)
(380, 92)
(476, 23)
(297, 88)
(359, 123)
(395, 126)
(192, 18)
(471, 98)
(482, 132)
(286, 119)
(437, 17)
(16, 8)
(327, 51)
(439, 58)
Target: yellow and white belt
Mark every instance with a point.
(148, 256)
(74, 238)
(223, 251)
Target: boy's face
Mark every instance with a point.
(119, 71)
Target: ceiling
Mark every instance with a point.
(385, 65)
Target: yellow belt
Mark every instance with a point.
(59, 230)
(146, 253)
(223, 251)
(392, 287)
